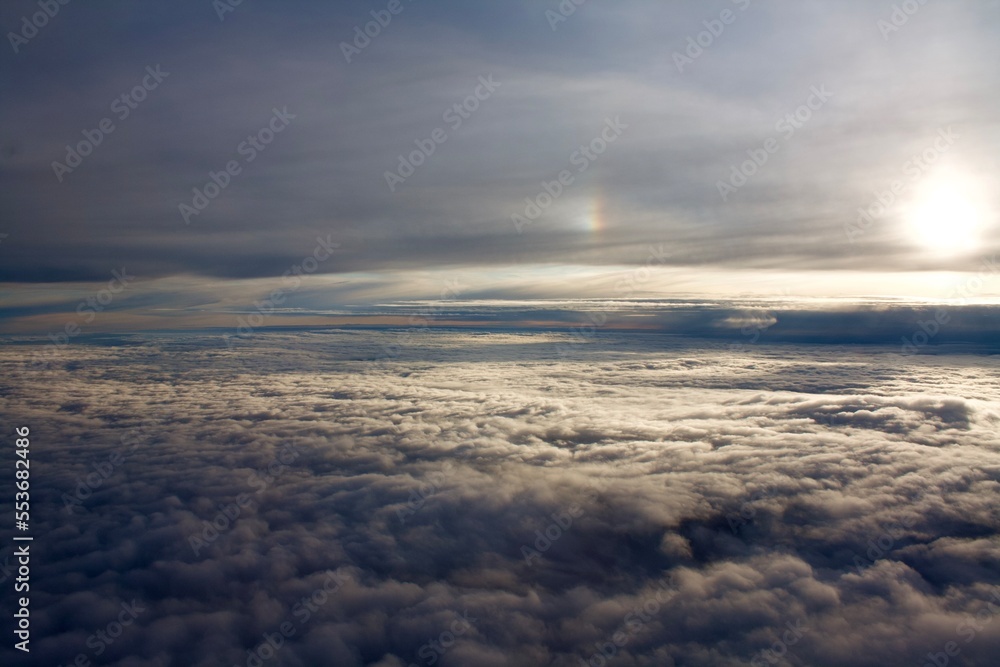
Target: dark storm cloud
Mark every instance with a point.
(325, 172)
(703, 500)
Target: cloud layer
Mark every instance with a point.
(325, 172)
(510, 499)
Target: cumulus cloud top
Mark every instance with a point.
(510, 499)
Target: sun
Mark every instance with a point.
(947, 216)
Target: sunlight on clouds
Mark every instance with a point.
(949, 214)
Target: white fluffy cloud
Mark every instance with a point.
(845, 501)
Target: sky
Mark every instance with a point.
(585, 146)
(459, 333)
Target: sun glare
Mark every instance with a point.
(947, 216)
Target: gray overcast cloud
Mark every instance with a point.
(533, 333)
(890, 95)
